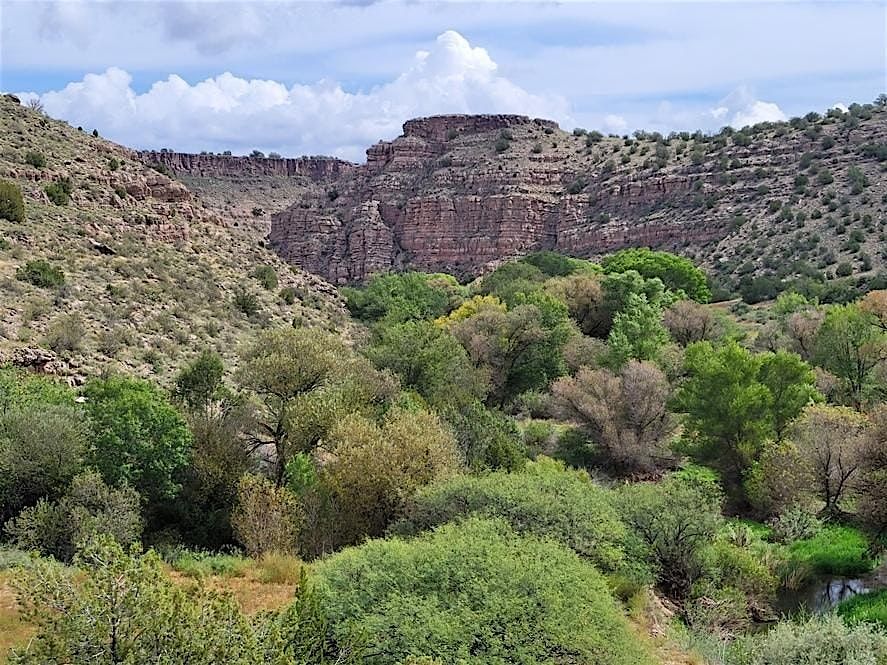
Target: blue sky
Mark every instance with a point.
(334, 77)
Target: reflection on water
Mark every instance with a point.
(820, 596)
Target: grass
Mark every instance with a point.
(868, 607)
(835, 550)
(198, 565)
(13, 631)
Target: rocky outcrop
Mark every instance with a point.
(314, 168)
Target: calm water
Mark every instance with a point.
(824, 594)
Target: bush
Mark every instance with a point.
(65, 333)
(823, 640)
(59, 192)
(795, 524)
(475, 592)
(35, 159)
(545, 500)
(40, 273)
(12, 206)
(267, 277)
(246, 302)
(266, 518)
(89, 508)
(199, 565)
(835, 550)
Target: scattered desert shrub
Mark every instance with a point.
(59, 192)
(35, 159)
(246, 302)
(65, 333)
(266, 276)
(12, 206)
(40, 272)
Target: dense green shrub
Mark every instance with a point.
(89, 508)
(40, 272)
(475, 592)
(544, 499)
(35, 159)
(399, 297)
(12, 206)
(487, 438)
(246, 302)
(821, 640)
(266, 276)
(59, 192)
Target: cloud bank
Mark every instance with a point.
(226, 112)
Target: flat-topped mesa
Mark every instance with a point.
(317, 169)
(440, 128)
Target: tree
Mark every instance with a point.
(875, 303)
(199, 384)
(89, 508)
(41, 450)
(802, 328)
(476, 592)
(429, 360)
(400, 297)
(637, 333)
(872, 485)
(728, 409)
(284, 365)
(687, 321)
(375, 468)
(266, 518)
(676, 272)
(625, 414)
(834, 441)
(583, 294)
(486, 438)
(674, 521)
(778, 480)
(850, 345)
(791, 384)
(521, 349)
(511, 279)
(139, 438)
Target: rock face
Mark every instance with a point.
(458, 193)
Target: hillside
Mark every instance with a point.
(150, 274)
(455, 193)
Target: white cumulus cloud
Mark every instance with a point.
(226, 112)
(740, 108)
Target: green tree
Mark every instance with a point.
(676, 272)
(511, 279)
(487, 438)
(139, 438)
(850, 345)
(728, 409)
(123, 608)
(199, 384)
(399, 297)
(637, 332)
(429, 360)
(673, 521)
(41, 450)
(791, 383)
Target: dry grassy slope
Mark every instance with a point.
(167, 290)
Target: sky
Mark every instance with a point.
(333, 77)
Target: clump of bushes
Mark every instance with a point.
(40, 272)
(246, 303)
(267, 277)
(12, 206)
(59, 192)
(35, 159)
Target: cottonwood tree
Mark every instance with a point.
(850, 345)
(637, 333)
(872, 485)
(834, 441)
(584, 297)
(625, 413)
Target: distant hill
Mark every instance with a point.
(455, 193)
(151, 274)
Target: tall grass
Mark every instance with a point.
(835, 550)
(867, 607)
